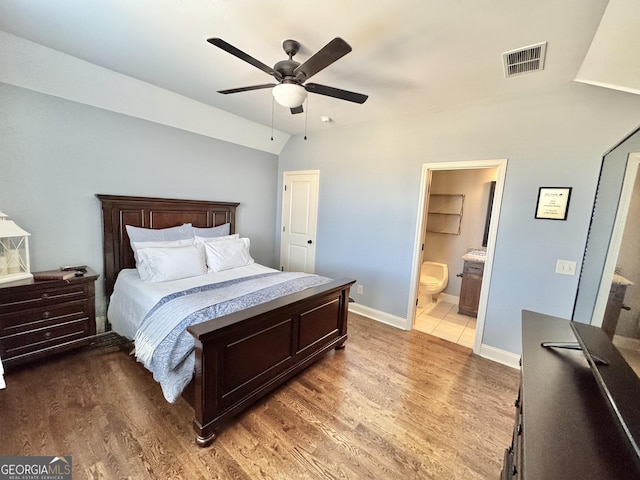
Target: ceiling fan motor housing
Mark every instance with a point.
(286, 68)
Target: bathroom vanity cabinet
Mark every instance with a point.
(470, 288)
(615, 304)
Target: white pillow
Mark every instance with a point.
(158, 244)
(171, 263)
(219, 231)
(200, 239)
(141, 234)
(226, 254)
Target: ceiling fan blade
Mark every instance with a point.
(246, 89)
(332, 51)
(295, 110)
(335, 92)
(227, 47)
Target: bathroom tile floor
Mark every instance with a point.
(441, 319)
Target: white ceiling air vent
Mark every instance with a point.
(524, 60)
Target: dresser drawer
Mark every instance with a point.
(18, 301)
(17, 322)
(45, 337)
(476, 268)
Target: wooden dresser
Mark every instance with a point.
(564, 427)
(40, 318)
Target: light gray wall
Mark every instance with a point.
(56, 155)
(370, 182)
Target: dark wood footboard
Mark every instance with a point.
(243, 356)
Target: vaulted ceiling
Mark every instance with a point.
(409, 56)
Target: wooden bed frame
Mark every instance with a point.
(245, 355)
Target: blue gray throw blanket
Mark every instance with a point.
(165, 347)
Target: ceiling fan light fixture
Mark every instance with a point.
(289, 95)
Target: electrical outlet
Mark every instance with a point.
(566, 267)
(360, 289)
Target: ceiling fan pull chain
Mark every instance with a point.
(306, 117)
(272, 106)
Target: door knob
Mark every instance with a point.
(309, 242)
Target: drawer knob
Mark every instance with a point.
(46, 315)
(45, 295)
(47, 335)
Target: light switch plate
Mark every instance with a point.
(566, 267)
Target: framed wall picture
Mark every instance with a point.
(553, 203)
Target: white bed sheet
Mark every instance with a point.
(132, 298)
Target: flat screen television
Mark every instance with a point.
(618, 382)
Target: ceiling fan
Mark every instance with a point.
(291, 89)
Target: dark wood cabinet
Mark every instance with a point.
(40, 318)
(470, 288)
(564, 428)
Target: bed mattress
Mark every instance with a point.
(132, 298)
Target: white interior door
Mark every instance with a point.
(299, 221)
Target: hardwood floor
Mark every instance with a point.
(392, 405)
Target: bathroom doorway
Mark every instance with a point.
(453, 211)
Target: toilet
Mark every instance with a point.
(433, 280)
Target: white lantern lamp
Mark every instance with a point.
(14, 251)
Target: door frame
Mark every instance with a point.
(630, 175)
(425, 184)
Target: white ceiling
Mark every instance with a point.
(613, 60)
(409, 56)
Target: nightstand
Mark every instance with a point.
(44, 317)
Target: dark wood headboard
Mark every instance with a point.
(148, 212)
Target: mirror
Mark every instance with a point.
(609, 215)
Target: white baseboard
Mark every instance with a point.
(445, 297)
(101, 322)
(501, 356)
(379, 316)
